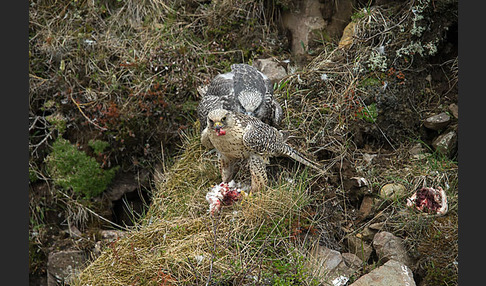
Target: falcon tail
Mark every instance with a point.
(297, 156)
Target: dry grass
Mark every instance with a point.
(180, 243)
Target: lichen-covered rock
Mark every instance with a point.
(392, 191)
(446, 143)
(392, 273)
(63, 266)
(437, 122)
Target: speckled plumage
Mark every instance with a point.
(245, 90)
(246, 137)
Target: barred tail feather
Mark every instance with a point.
(297, 156)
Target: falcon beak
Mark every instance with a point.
(218, 125)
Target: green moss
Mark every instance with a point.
(98, 145)
(71, 168)
(370, 81)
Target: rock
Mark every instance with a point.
(303, 22)
(73, 232)
(392, 273)
(358, 247)
(328, 259)
(331, 267)
(365, 208)
(446, 143)
(377, 226)
(418, 151)
(347, 38)
(63, 266)
(390, 247)
(356, 187)
(107, 236)
(437, 122)
(352, 261)
(454, 109)
(273, 70)
(126, 182)
(393, 191)
(367, 234)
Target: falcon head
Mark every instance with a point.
(251, 102)
(218, 119)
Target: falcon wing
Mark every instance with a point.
(262, 138)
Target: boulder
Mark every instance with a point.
(389, 247)
(392, 273)
(352, 260)
(437, 122)
(63, 266)
(273, 70)
(304, 22)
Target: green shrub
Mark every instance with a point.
(98, 146)
(71, 168)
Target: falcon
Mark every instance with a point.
(240, 136)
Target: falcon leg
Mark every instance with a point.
(258, 173)
(226, 167)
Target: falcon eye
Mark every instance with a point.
(211, 121)
(223, 119)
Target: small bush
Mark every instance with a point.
(71, 168)
(98, 146)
